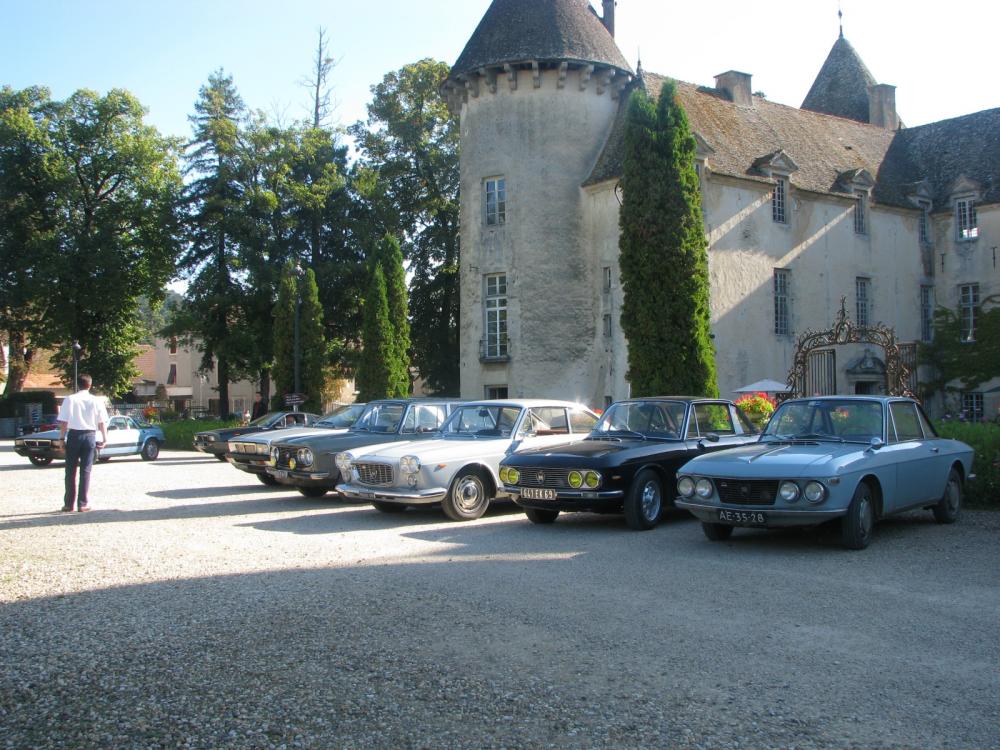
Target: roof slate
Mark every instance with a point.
(545, 30)
(841, 88)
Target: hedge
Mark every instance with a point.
(180, 434)
(984, 491)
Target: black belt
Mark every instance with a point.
(81, 432)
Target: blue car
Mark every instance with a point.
(126, 437)
(852, 458)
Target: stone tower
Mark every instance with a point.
(537, 89)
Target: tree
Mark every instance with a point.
(374, 378)
(960, 363)
(299, 290)
(390, 258)
(664, 256)
(409, 177)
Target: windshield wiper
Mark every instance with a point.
(630, 433)
(817, 436)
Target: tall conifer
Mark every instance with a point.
(374, 376)
(390, 257)
(664, 254)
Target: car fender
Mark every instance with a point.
(875, 482)
(482, 469)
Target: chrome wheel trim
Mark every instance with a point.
(866, 517)
(468, 493)
(953, 496)
(650, 501)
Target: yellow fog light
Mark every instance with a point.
(513, 476)
(575, 479)
(291, 463)
(592, 479)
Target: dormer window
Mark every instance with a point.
(860, 212)
(779, 199)
(965, 219)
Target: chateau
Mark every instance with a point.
(802, 206)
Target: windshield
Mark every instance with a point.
(482, 421)
(851, 421)
(341, 417)
(662, 419)
(380, 418)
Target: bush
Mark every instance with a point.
(181, 434)
(984, 491)
(758, 407)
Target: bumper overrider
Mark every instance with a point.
(408, 496)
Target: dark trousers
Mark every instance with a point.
(81, 449)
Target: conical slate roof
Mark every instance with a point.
(841, 88)
(514, 31)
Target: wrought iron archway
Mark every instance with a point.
(844, 331)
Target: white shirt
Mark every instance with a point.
(83, 411)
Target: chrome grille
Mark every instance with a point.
(371, 473)
(536, 476)
(253, 448)
(37, 443)
(747, 491)
(284, 455)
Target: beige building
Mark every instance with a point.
(803, 207)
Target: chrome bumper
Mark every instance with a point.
(709, 513)
(411, 497)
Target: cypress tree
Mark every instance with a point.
(284, 337)
(664, 253)
(374, 377)
(312, 344)
(390, 258)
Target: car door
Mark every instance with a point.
(123, 437)
(916, 459)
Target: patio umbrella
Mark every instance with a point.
(764, 386)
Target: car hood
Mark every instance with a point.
(591, 451)
(287, 433)
(442, 450)
(47, 435)
(766, 459)
(321, 441)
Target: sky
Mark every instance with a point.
(941, 60)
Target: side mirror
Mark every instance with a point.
(712, 437)
(875, 444)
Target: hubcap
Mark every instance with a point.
(865, 518)
(953, 497)
(469, 493)
(651, 500)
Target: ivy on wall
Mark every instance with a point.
(962, 365)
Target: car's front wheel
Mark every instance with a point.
(103, 459)
(220, 456)
(467, 499)
(151, 450)
(40, 460)
(268, 480)
(859, 523)
(538, 515)
(312, 491)
(384, 507)
(644, 501)
(717, 532)
(950, 504)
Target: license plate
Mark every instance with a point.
(743, 517)
(280, 474)
(534, 493)
(366, 494)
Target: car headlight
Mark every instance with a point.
(343, 461)
(18, 442)
(274, 456)
(592, 479)
(513, 475)
(263, 449)
(233, 447)
(575, 479)
(815, 492)
(788, 491)
(703, 488)
(409, 464)
(304, 456)
(685, 486)
(210, 438)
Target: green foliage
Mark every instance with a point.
(375, 377)
(313, 365)
(664, 255)
(13, 405)
(284, 336)
(390, 259)
(960, 365)
(984, 491)
(408, 176)
(180, 434)
(758, 407)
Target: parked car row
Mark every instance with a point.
(852, 459)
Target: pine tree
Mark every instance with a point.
(374, 378)
(312, 344)
(283, 370)
(664, 254)
(390, 258)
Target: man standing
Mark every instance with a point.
(80, 417)
(259, 406)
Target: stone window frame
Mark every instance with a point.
(495, 186)
(779, 199)
(863, 301)
(927, 312)
(782, 286)
(968, 312)
(498, 391)
(924, 223)
(860, 212)
(496, 320)
(966, 219)
(972, 405)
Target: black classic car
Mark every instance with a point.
(307, 462)
(628, 463)
(216, 442)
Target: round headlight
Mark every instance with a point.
(274, 456)
(305, 456)
(343, 461)
(575, 479)
(263, 448)
(592, 479)
(815, 492)
(409, 464)
(703, 488)
(513, 476)
(685, 486)
(789, 492)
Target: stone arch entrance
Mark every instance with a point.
(811, 365)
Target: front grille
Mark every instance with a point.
(747, 491)
(37, 443)
(534, 476)
(251, 448)
(284, 456)
(369, 473)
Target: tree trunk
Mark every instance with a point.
(265, 387)
(223, 388)
(19, 362)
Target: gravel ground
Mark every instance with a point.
(195, 608)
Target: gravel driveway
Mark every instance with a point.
(196, 608)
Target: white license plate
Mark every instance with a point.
(536, 493)
(280, 474)
(743, 517)
(366, 494)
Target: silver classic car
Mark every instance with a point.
(852, 458)
(460, 469)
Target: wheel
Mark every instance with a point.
(385, 507)
(40, 460)
(857, 526)
(467, 499)
(103, 459)
(537, 515)
(644, 501)
(312, 491)
(717, 532)
(220, 456)
(950, 504)
(268, 480)
(151, 450)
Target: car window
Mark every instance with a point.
(130, 424)
(925, 424)
(904, 416)
(117, 423)
(482, 420)
(659, 418)
(582, 421)
(706, 418)
(546, 420)
(423, 418)
(748, 427)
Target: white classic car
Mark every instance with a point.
(460, 468)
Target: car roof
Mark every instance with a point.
(851, 397)
(688, 399)
(526, 403)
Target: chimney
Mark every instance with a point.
(737, 85)
(882, 106)
(608, 19)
